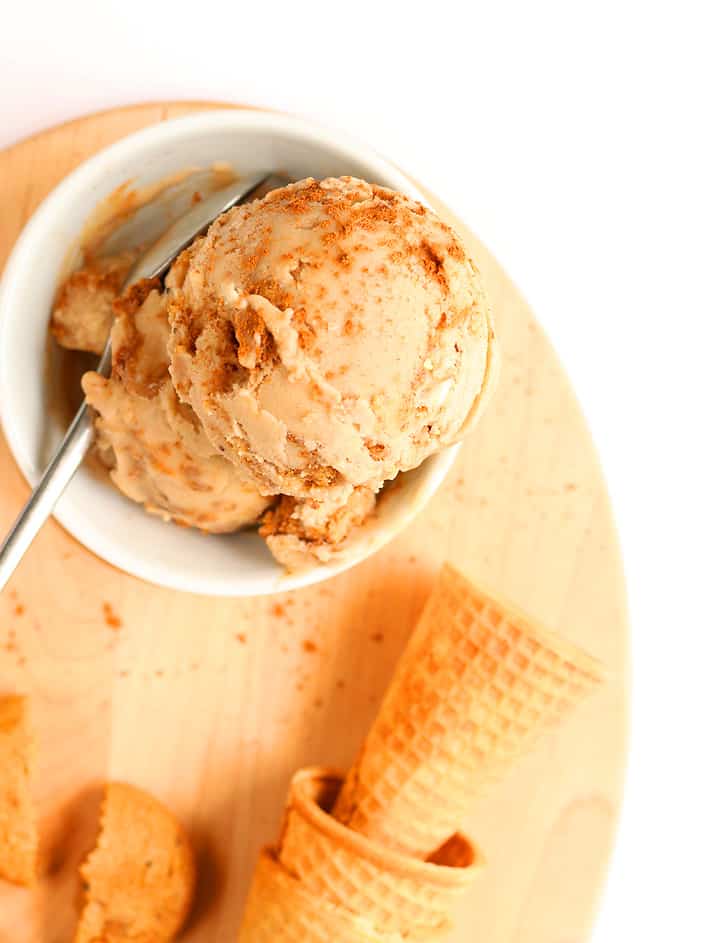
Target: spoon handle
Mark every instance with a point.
(56, 477)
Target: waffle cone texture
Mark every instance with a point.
(281, 910)
(325, 883)
(476, 687)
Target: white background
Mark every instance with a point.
(579, 140)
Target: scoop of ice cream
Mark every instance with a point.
(330, 336)
(83, 313)
(154, 445)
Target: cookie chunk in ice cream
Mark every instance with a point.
(83, 312)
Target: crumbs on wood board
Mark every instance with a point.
(112, 619)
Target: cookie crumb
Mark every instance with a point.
(112, 620)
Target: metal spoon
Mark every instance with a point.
(79, 437)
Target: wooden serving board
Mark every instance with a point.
(211, 704)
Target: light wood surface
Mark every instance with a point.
(213, 704)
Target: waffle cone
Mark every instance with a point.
(281, 910)
(393, 891)
(477, 685)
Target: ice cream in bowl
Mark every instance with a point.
(294, 390)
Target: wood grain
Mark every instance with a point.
(213, 704)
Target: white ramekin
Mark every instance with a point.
(99, 517)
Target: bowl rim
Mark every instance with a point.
(91, 172)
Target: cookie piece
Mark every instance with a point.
(83, 312)
(140, 878)
(18, 828)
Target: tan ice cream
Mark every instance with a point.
(154, 445)
(310, 347)
(328, 337)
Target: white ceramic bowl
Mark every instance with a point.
(110, 525)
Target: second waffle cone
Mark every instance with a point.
(476, 686)
(393, 891)
(281, 910)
